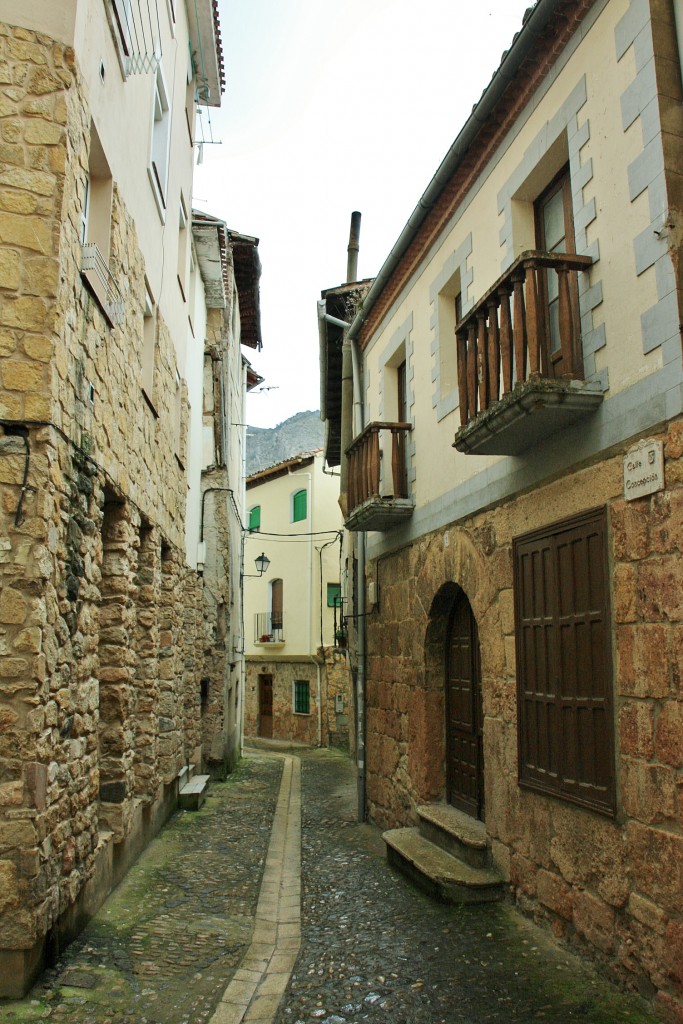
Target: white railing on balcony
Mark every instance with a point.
(95, 271)
(269, 628)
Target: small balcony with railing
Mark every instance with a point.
(520, 376)
(269, 629)
(378, 496)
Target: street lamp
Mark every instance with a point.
(262, 563)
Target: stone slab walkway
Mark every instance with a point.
(256, 990)
(272, 904)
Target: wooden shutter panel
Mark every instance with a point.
(563, 661)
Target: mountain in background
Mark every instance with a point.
(266, 446)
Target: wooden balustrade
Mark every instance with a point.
(364, 462)
(499, 346)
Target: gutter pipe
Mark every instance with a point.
(530, 32)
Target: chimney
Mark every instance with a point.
(352, 250)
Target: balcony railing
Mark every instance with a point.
(269, 628)
(95, 271)
(504, 358)
(378, 478)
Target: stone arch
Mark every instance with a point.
(451, 565)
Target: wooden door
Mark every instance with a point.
(464, 713)
(265, 706)
(276, 605)
(555, 233)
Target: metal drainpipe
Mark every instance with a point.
(360, 610)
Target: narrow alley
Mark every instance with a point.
(221, 921)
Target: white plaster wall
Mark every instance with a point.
(296, 561)
(618, 222)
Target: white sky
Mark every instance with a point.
(332, 107)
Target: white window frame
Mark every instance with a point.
(160, 141)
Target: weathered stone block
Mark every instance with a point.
(27, 232)
(10, 269)
(648, 913)
(595, 920)
(660, 589)
(554, 893)
(648, 791)
(13, 607)
(656, 857)
(11, 794)
(642, 662)
(637, 728)
(43, 133)
(10, 897)
(669, 734)
(18, 376)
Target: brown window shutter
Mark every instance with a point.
(565, 721)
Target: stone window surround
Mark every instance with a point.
(659, 324)
(445, 403)
(400, 344)
(564, 129)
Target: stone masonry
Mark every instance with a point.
(101, 622)
(611, 886)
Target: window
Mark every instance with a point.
(95, 231)
(334, 595)
(449, 312)
(555, 233)
(564, 663)
(276, 608)
(123, 18)
(254, 519)
(299, 507)
(183, 243)
(302, 697)
(161, 135)
(190, 94)
(181, 424)
(149, 344)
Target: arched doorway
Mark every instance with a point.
(464, 712)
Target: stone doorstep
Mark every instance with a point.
(456, 833)
(438, 873)
(193, 794)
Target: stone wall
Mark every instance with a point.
(338, 726)
(609, 885)
(333, 729)
(101, 622)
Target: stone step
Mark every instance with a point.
(438, 873)
(193, 794)
(456, 833)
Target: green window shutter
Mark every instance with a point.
(255, 518)
(302, 697)
(299, 507)
(334, 595)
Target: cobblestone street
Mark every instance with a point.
(197, 931)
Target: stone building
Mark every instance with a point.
(116, 671)
(515, 491)
(297, 680)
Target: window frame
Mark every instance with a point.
(160, 141)
(553, 628)
(297, 494)
(297, 692)
(254, 512)
(560, 183)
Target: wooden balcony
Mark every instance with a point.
(377, 478)
(511, 394)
